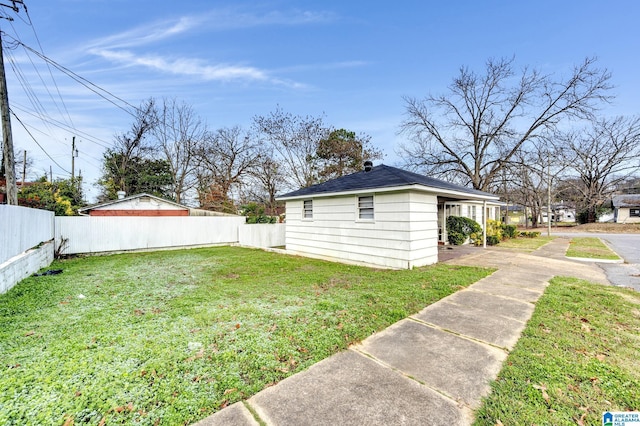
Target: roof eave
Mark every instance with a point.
(418, 187)
(131, 197)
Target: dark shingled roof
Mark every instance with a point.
(380, 177)
(626, 200)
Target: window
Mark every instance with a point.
(365, 207)
(473, 213)
(634, 212)
(307, 210)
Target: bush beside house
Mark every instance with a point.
(459, 229)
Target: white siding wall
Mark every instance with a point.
(402, 235)
(22, 228)
(97, 234)
(624, 216)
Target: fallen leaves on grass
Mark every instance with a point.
(543, 389)
(128, 407)
(198, 355)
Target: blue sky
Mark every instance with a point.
(351, 61)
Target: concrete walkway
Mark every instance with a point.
(432, 368)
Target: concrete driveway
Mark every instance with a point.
(625, 274)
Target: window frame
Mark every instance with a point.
(306, 210)
(360, 208)
(634, 212)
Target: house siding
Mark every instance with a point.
(623, 216)
(403, 233)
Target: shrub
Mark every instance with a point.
(457, 238)
(255, 214)
(494, 229)
(530, 234)
(494, 233)
(460, 228)
(492, 240)
(509, 231)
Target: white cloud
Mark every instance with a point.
(216, 20)
(121, 48)
(193, 67)
(146, 34)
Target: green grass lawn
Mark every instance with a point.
(590, 248)
(578, 357)
(171, 337)
(525, 244)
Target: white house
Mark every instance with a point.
(626, 208)
(382, 216)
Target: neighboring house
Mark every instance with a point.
(513, 214)
(626, 208)
(559, 213)
(381, 216)
(136, 205)
(564, 213)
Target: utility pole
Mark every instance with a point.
(74, 154)
(24, 168)
(7, 139)
(549, 196)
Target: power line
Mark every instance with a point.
(62, 126)
(33, 28)
(83, 81)
(35, 129)
(38, 143)
(24, 82)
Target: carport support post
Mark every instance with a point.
(484, 224)
(444, 223)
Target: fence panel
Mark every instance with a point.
(262, 235)
(22, 228)
(120, 233)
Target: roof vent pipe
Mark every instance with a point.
(121, 194)
(368, 165)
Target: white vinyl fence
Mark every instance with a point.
(22, 228)
(262, 235)
(27, 236)
(99, 234)
(25, 243)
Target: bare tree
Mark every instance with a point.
(602, 157)
(295, 139)
(268, 180)
(471, 133)
(179, 132)
(225, 159)
(535, 173)
(129, 149)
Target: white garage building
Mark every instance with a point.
(382, 216)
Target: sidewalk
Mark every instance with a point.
(432, 368)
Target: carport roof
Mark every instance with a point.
(384, 177)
